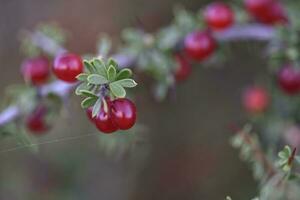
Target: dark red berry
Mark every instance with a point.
(123, 113)
(104, 122)
(67, 66)
(36, 70)
(256, 99)
(199, 45)
(274, 14)
(218, 16)
(289, 80)
(36, 122)
(257, 7)
(183, 70)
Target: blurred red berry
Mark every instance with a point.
(123, 113)
(257, 7)
(199, 45)
(36, 122)
(274, 14)
(218, 16)
(36, 70)
(289, 80)
(104, 121)
(183, 70)
(67, 66)
(255, 99)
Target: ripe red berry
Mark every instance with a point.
(274, 14)
(257, 7)
(218, 16)
(255, 99)
(104, 122)
(36, 70)
(123, 113)
(183, 70)
(199, 45)
(289, 80)
(67, 66)
(36, 122)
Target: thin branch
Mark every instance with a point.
(238, 32)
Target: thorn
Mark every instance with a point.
(292, 157)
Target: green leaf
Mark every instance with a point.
(82, 86)
(117, 90)
(124, 73)
(100, 66)
(88, 102)
(127, 83)
(113, 63)
(82, 77)
(111, 73)
(88, 93)
(96, 108)
(97, 79)
(90, 68)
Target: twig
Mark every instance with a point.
(238, 32)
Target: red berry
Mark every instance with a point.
(67, 66)
(274, 14)
(257, 7)
(104, 122)
(36, 70)
(289, 80)
(123, 113)
(255, 99)
(35, 122)
(183, 70)
(218, 16)
(199, 45)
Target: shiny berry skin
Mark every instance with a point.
(123, 113)
(218, 16)
(199, 45)
(35, 122)
(274, 14)
(288, 79)
(183, 70)
(67, 66)
(257, 7)
(255, 99)
(36, 70)
(104, 122)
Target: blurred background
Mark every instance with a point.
(185, 153)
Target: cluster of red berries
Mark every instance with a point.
(38, 70)
(120, 114)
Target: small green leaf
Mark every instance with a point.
(124, 73)
(100, 66)
(90, 68)
(96, 108)
(88, 93)
(82, 77)
(117, 90)
(88, 102)
(111, 73)
(113, 63)
(97, 79)
(127, 83)
(82, 86)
